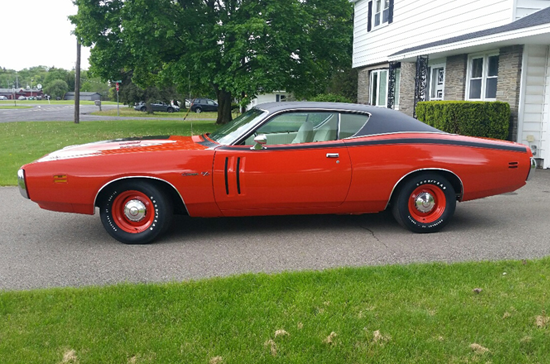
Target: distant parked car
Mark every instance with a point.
(21, 98)
(157, 106)
(200, 105)
(2, 97)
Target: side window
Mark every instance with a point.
(298, 127)
(350, 124)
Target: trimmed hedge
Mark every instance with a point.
(473, 118)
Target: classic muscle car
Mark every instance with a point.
(279, 158)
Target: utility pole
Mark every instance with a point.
(77, 84)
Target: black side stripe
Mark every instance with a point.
(460, 143)
(352, 143)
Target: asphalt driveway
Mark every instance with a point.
(46, 249)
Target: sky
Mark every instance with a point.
(38, 33)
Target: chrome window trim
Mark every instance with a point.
(270, 115)
(142, 177)
(422, 170)
(397, 132)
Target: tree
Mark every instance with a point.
(238, 47)
(57, 88)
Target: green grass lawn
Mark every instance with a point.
(25, 142)
(126, 111)
(396, 314)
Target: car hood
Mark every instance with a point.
(125, 146)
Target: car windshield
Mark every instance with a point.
(231, 131)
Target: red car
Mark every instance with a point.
(279, 159)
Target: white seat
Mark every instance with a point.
(305, 133)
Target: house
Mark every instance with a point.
(275, 96)
(87, 96)
(414, 50)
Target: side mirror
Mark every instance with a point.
(260, 140)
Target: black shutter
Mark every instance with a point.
(369, 21)
(390, 15)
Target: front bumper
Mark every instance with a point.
(532, 169)
(22, 184)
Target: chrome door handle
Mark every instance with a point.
(333, 155)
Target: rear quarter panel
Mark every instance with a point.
(484, 167)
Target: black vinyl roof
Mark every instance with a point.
(541, 17)
(381, 121)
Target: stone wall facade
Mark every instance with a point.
(406, 88)
(363, 85)
(509, 83)
(455, 77)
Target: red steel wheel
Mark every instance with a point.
(427, 203)
(424, 203)
(135, 211)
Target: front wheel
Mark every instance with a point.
(135, 212)
(425, 203)
(198, 110)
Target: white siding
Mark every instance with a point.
(416, 22)
(526, 7)
(545, 138)
(534, 115)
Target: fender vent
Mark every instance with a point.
(513, 165)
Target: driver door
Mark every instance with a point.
(294, 173)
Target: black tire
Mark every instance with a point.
(170, 110)
(424, 203)
(135, 212)
(143, 109)
(198, 110)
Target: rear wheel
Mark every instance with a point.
(135, 212)
(143, 108)
(425, 203)
(198, 110)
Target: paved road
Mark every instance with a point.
(46, 112)
(46, 249)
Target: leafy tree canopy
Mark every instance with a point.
(237, 47)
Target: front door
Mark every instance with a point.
(281, 179)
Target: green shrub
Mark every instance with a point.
(473, 118)
(330, 98)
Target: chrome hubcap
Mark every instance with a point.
(135, 210)
(425, 202)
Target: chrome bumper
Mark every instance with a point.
(21, 183)
(532, 169)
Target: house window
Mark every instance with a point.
(483, 77)
(397, 87)
(380, 12)
(379, 87)
(437, 82)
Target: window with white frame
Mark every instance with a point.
(381, 12)
(379, 87)
(482, 77)
(397, 88)
(437, 82)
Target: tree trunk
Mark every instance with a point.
(224, 106)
